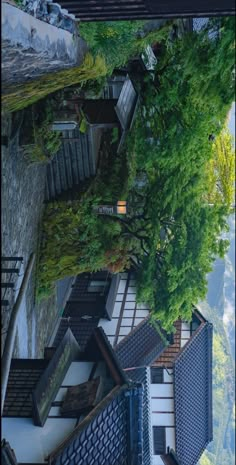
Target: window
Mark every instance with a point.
(98, 286)
(159, 440)
(157, 375)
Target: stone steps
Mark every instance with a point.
(71, 166)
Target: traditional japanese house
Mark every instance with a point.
(152, 391)
(77, 160)
(73, 406)
(176, 371)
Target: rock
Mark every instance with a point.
(51, 13)
(53, 20)
(54, 8)
(43, 10)
(67, 24)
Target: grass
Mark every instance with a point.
(21, 96)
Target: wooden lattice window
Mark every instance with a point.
(159, 440)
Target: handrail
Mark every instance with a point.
(10, 339)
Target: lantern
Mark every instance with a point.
(121, 207)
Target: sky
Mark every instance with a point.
(232, 121)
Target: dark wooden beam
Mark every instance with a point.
(113, 10)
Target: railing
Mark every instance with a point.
(10, 271)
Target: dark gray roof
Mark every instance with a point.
(24, 374)
(193, 396)
(51, 379)
(142, 376)
(109, 435)
(81, 329)
(142, 346)
(126, 103)
(74, 163)
(112, 432)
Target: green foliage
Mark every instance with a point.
(171, 234)
(45, 143)
(205, 460)
(180, 108)
(221, 170)
(117, 41)
(221, 450)
(83, 125)
(115, 135)
(75, 239)
(22, 95)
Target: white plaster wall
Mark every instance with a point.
(109, 326)
(156, 460)
(78, 373)
(162, 405)
(163, 419)
(32, 444)
(168, 376)
(185, 333)
(162, 400)
(126, 314)
(170, 437)
(161, 390)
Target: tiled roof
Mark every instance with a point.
(104, 349)
(142, 346)
(142, 375)
(23, 377)
(110, 434)
(82, 330)
(193, 396)
(169, 353)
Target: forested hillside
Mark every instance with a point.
(222, 314)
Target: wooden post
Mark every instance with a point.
(10, 339)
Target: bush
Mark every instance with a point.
(118, 41)
(22, 95)
(75, 239)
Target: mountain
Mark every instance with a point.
(219, 308)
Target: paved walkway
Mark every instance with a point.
(31, 47)
(21, 213)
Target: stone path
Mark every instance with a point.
(23, 188)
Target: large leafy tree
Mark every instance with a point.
(171, 234)
(221, 170)
(185, 103)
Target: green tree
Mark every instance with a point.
(221, 170)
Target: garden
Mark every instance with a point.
(182, 152)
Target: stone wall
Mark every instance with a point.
(31, 47)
